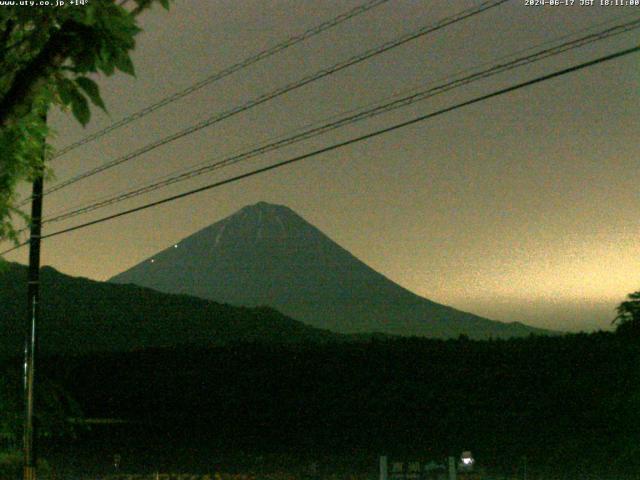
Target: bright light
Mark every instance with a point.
(467, 459)
(175, 246)
(152, 260)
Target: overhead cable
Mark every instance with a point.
(289, 42)
(345, 143)
(349, 119)
(281, 91)
(344, 114)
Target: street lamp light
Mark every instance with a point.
(466, 460)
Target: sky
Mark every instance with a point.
(519, 208)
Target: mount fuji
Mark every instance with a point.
(267, 255)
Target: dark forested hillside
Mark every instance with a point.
(81, 315)
(193, 379)
(569, 404)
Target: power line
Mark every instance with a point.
(105, 200)
(281, 91)
(291, 41)
(345, 143)
(349, 119)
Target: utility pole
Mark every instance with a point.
(30, 348)
(383, 467)
(452, 468)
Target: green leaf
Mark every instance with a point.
(90, 14)
(105, 60)
(66, 90)
(84, 61)
(123, 62)
(80, 108)
(165, 4)
(92, 90)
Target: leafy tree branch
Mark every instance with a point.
(48, 58)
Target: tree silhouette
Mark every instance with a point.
(628, 318)
(50, 56)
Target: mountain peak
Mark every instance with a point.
(262, 208)
(259, 222)
(262, 205)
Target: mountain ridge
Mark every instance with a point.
(79, 315)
